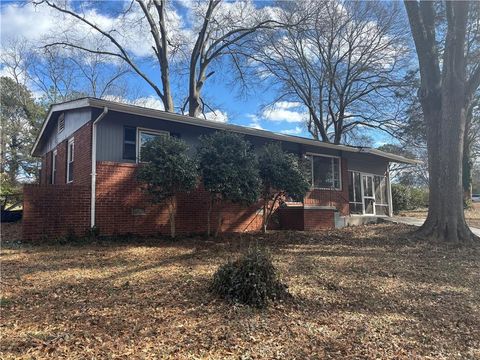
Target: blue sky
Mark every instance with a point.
(34, 24)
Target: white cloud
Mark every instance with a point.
(285, 111)
(255, 122)
(295, 131)
(217, 116)
(151, 102)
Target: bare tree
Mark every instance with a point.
(445, 94)
(222, 31)
(219, 28)
(343, 61)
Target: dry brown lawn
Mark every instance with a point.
(472, 215)
(362, 292)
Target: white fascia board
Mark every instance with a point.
(69, 105)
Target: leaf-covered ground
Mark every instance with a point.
(361, 292)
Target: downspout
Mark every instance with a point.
(94, 166)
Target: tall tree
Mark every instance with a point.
(167, 170)
(229, 170)
(218, 29)
(342, 60)
(20, 118)
(445, 93)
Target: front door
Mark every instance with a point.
(368, 195)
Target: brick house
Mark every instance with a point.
(89, 149)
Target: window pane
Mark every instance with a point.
(381, 210)
(356, 208)
(145, 137)
(381, 190)
(336, 173)
(70, 171)
(368, 206)
(129, 151)
(322, 172)
(129, 134)
(354, 187)
(367, 186)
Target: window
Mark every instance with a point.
(129, 143)
(326, 172)
(355, 193)
(54, 166)
(70, 158)
(61, 123)
(367, 193)
(144, 136)
(381, 197)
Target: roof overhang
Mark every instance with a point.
(160, 114)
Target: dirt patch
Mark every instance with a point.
(360, 292)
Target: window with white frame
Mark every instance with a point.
(355, 192)
(325, 172)
(381, 195)
(54, 167)
(70, 158)
(146, 135)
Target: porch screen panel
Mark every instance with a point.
(355, 193)
(381, 196)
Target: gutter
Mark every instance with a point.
(94, 166)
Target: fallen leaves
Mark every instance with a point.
(361, 292)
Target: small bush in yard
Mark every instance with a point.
(250, 280)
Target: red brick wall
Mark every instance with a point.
(298, 218)
(52, 211)
(82, 159)
(338, 199)
(119, 195)
(318, 219)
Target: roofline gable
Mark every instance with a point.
(160, 114)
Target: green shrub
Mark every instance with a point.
(250, 280)
(408, 198)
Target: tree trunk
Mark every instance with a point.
(209, 216)
(467, 172)
(264, 217)
(218, 230)
(443, 97)
(172, 211)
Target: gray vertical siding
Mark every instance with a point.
(74, 120)
(366, 163)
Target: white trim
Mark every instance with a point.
(389, 205)
(68, 105)
(333, 188)
(54, 167)
(94, 167)
(71, 141)
(389, 193)
(159, 114)
(141, 130)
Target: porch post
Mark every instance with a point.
(389, 191)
